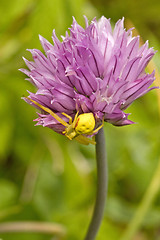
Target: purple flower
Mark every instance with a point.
(93, 70)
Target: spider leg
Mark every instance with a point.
(97, 129)
(84, 140)
(69, 117)
(75, 119)
(60, 120)
(67, 135)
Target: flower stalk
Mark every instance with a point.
(102, 180)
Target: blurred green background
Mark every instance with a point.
(45, 177)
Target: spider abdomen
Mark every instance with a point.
(85, 123)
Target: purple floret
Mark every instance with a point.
(94, 69)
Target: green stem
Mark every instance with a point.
(39, 227)
(101, 186)
(144, 206)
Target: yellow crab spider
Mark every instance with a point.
(82, 124)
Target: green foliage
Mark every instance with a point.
(44, 176)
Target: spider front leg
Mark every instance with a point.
(48, 110)
(70, 130)
(69, 117)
